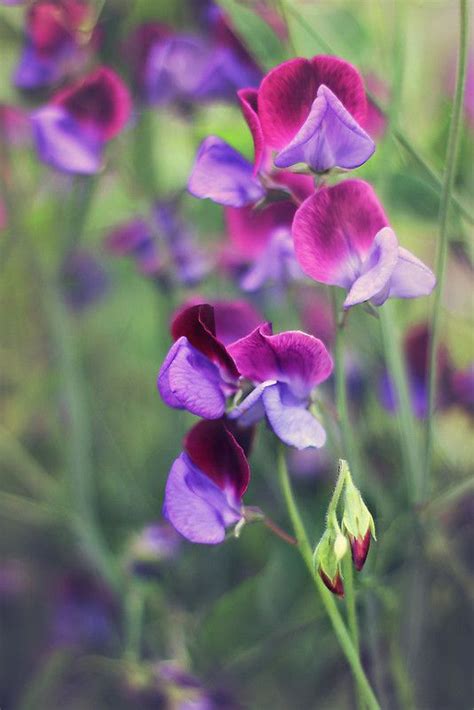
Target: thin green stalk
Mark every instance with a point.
(349, 596)
(443, 241)
(327, 598)
(134, 612)
(397, 133)
(406, 420)
(349, 448)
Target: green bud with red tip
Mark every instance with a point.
(328, 555)
(357, 523)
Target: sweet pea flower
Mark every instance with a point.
(134, 238)
(260, 239)
(462, 387)
(309, 111)
(223, 175)
(198, 373)
(203, 495)
(342, 238)
(72, 130)
(285, 369)
(55, 42)
(233, 318)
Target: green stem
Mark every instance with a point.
(349, 596)
(134, 613)
(341, 479)
(349, 448)
(444, 214)
(399, 379)
(327, 599)
(397, 133)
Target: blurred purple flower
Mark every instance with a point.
(156, 544)
(15, 125)
(83, 280)
(55, 42)
(198, 373)
(285, 369)
(310, 112)
(342, 238)
(260, 240)
(188, 263)
(72, 130)
(206, 483)
(416, 346)
(135, 239)
(83, 614)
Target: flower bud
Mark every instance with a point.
(358, 523)
(327, 556)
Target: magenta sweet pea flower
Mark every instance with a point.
(260, 239)
(198, 373)
(309, 111)
(72, 130)
(54, 42)
(342, 238)
(285, 369)
(233, 318)
(206, 483)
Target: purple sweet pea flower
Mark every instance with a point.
(174, 68)
(198, 373)
(71, 131)
(135, 238)
(285, 369)
(260, 239)
(342, 238)
(309, 111)
(233, 318)
(224, 175)
(206, 483)
(54, 42)
(189, 263)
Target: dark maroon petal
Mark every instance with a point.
(284, 100)
(360, 550)
(344, 81)
(333, 231)
(215, 451)
(235, 319)
(249, 103)
(197, 324)
(250, 229)
(335, 585)
(100, 101)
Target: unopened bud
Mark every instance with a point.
(334, 585)
(358, 523)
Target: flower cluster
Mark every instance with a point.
(308, 115)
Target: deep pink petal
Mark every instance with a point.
(293, 357)
(249, 103)
(250, 229)
(215, 451)
(99, 101)
(334, 229)
(285, 97)
(344, 81)
(197, 324)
